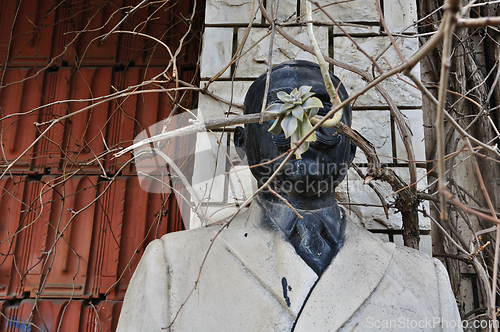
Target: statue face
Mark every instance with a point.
(326, 161)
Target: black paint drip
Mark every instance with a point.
(285, 290)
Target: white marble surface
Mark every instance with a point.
(230, 12)
(217, 51)
(375, 126)
(361, 198)
(253, 280)
(401, 92)
(287, 10)
(255, 61)
(229, 91)
(399, 14)
(354, 29)
(346, 11)
(415, 121)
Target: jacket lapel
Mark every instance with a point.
(266, 253)
(349, 280)
(343, 287)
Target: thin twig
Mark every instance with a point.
(285, 201)
(123, 20)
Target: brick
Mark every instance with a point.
(399, 14)
(375, 126)
(32, 33)
(415, 121)
(217, 51)
(402, 93)
(212, 109)
(18, 131)
(11, 198)
(230, 12)
(356, 194)
(254, 63)
(345, 11)
(287, 9)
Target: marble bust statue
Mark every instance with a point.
(273, 271)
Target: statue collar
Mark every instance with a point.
(260, 245)
(332, 216)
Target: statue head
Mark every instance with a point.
(324, 165)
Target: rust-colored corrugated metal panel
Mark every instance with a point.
(96, 253)
(85, 132)
(15, 317)
(68, 240)
(143, 218)
(121, 132)
(11, 198)
(31, 233)
(47, 316)
(59, 315)
(31, 41)
(106, 240)
(166, 22)
(76, 142)
(98, 18)
(32, 240)
(104, 318)
(18, 131)
(135, 113)
(48, 150)
(101, 245)
(55, 315)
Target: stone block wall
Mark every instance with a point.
(221, 184)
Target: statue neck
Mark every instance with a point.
(303, 203)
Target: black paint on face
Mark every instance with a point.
(325, 163)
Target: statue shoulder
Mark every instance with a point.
(427, 274)
(416, 260)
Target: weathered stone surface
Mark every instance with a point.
(232, 183)
(210, 166)
(214, 109)
(399, 14)
(425, 244)
(287, 10)
(404, 173)
(414, 118)
(217, 51)
(375, 126)
(225, 189)
(345, 11)
(241, 183)
(281, 292)
(230, 12)
(401, 92)
(255, 62)
(359, 198)
(214, 213)
(354, 29)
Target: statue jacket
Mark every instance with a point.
(249, 277)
